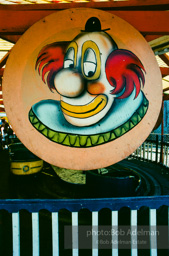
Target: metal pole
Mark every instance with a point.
(162, 135)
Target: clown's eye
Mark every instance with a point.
(89, 69)
(69, 58)
(68, 64)
(89, 63)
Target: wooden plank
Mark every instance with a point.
(122, 5)
(1, 72)
(2, 109)
(150, 38)
(164, 72)
(11, 38)
(166, 89)
(4, 59)
(160, 43)
(165, 96)
(151, 23)
(16, 22)
(165, 58)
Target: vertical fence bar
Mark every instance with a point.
(35, 234)
(166, 161)
(164, 154)
(168, 225)
(114, 221)
(16, 233)
(134, 154)
(55, 234)
(95, 238)
(153, 236)
(137, 152)
(134, 249)
(140, 151)
(75, 234)
(144, 150)
(162, 149)
(148, 151)
(156, 159)
(151, 157)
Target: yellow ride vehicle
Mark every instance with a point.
(22, 161)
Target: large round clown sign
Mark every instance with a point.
(82, 89)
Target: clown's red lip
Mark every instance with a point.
(87, 110)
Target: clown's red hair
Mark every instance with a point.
(124, 71)
(50, 60)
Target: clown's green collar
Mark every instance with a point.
(83, 136)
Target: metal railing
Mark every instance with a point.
(94, 206)
(154, 149)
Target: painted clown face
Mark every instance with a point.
(82, 83)
(100, 89)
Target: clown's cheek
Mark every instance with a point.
(96, 88)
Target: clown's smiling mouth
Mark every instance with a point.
(84, 141)
(84, 111)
